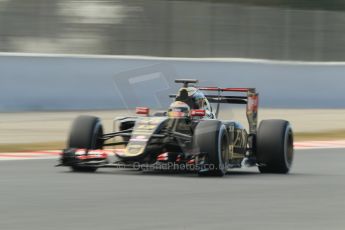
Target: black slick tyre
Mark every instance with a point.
(85, 134)
(211, 139)
(274, 146)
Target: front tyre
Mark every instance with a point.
(86, 133)
(274, 146)
(211, 138)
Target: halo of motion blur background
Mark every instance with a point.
(264, 29)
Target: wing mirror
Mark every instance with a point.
(198, 113)
(142, 110)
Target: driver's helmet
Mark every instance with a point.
(179, 109)
(191, 96)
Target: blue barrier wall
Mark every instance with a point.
(53, 82)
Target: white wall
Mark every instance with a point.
(54, 82)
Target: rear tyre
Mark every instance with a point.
(211, 138)
(85, 134)
(274, 146)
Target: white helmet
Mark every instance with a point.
(179, 109)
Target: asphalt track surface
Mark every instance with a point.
(35, 195)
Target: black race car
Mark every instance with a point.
(188, 137)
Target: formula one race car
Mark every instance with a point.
(188, 136)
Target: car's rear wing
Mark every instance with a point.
(251, 99)
(219, 98)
